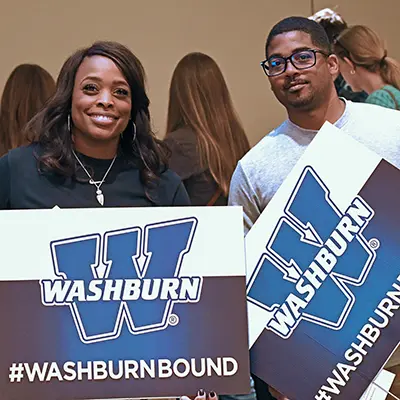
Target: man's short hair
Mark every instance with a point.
(317, 33)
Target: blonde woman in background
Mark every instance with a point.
(365, 65)
(26, 91)
(204, 133)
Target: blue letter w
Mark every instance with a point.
(154, 253)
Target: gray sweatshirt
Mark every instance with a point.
(262, 170)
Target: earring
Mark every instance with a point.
(134, 131)
(352, 72)
(69, 123)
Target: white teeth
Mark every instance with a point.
(102, 117)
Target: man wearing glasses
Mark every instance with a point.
(301, 71)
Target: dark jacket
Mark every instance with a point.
(185, 161)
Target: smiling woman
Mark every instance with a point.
(101, 106)
(95, 146)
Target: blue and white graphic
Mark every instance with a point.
(314, 257)
(121, 303)
(129, 276)
(323, 283)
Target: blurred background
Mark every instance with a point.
(161, 32)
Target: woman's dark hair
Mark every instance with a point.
(331, 21)
(51, 126)
(25, 92)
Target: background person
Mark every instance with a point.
(334, 24)
(365, 64)
(204, 133)
(25, 92)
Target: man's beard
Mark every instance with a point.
(305, 101)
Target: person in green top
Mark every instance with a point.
(365, 65)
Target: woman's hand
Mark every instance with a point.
(202, 395)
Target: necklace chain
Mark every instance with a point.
(99, 192)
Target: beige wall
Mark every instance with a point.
(160, 32)
(380, 15)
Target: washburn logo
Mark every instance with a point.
(127, 276)
(315, 254)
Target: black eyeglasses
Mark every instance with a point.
(301, 59)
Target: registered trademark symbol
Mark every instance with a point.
(173, 319)
(374, 244)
